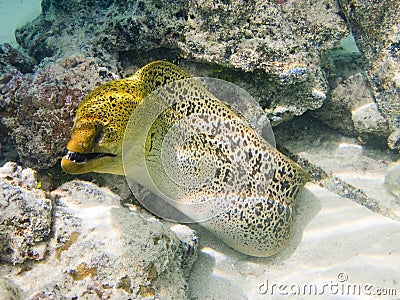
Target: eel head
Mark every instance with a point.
(87, 152)
(96, 139)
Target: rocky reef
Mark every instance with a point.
(376, 29)
(38, 107)
(350, 97)
(283, 43)
(280, 43)
(85, 243)
(25, 219)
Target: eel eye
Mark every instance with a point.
(98, 136)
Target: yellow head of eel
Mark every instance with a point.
(96, 139)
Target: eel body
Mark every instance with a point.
(198, 151)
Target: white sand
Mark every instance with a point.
(15, 13)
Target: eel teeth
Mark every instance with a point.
(84, 157)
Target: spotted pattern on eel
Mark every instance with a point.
(257, 206)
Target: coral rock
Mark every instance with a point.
(25, 217)
(39, 107)
(101, 249)
(353, 102)
(376, 29)
(283, 42)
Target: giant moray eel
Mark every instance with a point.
(256, 218)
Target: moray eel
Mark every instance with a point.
(256, 206)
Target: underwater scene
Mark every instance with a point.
(210, 149)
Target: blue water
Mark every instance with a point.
(15, 13)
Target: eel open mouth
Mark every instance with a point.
(77, 157)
